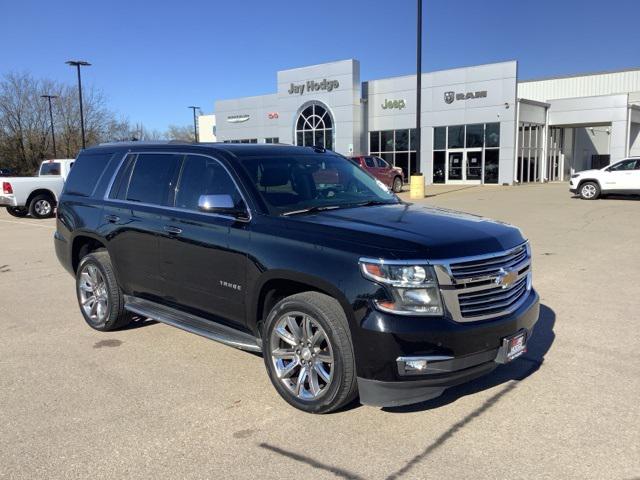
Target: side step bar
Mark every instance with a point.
(193, 324)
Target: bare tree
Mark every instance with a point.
(25, 138)
(184, 133)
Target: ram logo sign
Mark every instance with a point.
(449, 97)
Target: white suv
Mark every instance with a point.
(622, 177)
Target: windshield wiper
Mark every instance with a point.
(371, 203)
(310, 210)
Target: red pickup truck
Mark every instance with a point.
(392, 177)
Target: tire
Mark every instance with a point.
(334, 381)
(95, 278)
(397, 185)
(589, 191)
(41, 206)
(18, 212)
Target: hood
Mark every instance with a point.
(587, 172)
(428, 232)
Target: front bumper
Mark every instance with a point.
(8, 201)
(467, 351)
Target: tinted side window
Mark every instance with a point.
(87, 171)
(204, 176)
(369, 161)
(381, 163)
(152, 180)
(627, 165)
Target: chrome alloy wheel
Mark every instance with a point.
(588, 191)
(43, 208)
(302, 355)
(94, 298)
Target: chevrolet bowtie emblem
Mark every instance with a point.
(506, 278)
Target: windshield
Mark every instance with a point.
(291, 184)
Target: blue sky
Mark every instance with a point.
(154, 59)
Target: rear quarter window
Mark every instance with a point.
(86, 173)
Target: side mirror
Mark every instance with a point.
(222, 204)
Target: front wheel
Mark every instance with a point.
(308, 353)
(397, 185)
(589, 191)
(19, 212)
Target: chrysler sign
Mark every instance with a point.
(237, 118)
(449, 97)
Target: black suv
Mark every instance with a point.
(297, 253)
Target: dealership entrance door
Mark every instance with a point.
(464, 166)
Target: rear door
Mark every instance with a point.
(142, 190)
(203, 255)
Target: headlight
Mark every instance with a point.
(575, 175)
(413, 288)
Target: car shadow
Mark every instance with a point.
(537, 347)
(138, 321)
(613, 196)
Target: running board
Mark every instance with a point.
(193, 324)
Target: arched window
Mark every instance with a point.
(315, 127)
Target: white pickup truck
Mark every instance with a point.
(35, 196)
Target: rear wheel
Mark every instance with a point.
(397, 185)
(308, 353)
(41, 206)
(19, 212)
(589, 191)
(99, 296)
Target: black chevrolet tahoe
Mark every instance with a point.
(298, 254)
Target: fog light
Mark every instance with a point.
(424, 365)
(415, 365)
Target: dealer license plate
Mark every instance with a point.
(515, 346)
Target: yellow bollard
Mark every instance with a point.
(417, 186)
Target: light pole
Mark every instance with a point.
(419, 83)
(53, 133)
(195, 125)
(78, 64)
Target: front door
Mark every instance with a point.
(473, 165)
(464, 166)
(455, 167)
(203, 255)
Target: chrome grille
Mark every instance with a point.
(488, 267)
(471, 286)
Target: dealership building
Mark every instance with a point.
(479, 124)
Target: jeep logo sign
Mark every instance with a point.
(388, 104)
(449, 97)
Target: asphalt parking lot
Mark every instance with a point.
(156, 402)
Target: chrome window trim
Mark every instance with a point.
(173, 208)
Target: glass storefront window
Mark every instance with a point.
(386, 140)
(491, 165)
(456, 136)
(374, 141)
(396, 147)
(402, 161)
(402, 140)
(439, 138)
(475, 135)
(492, 135)
(439, 167)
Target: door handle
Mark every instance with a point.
(172, 230)
(112, 218)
